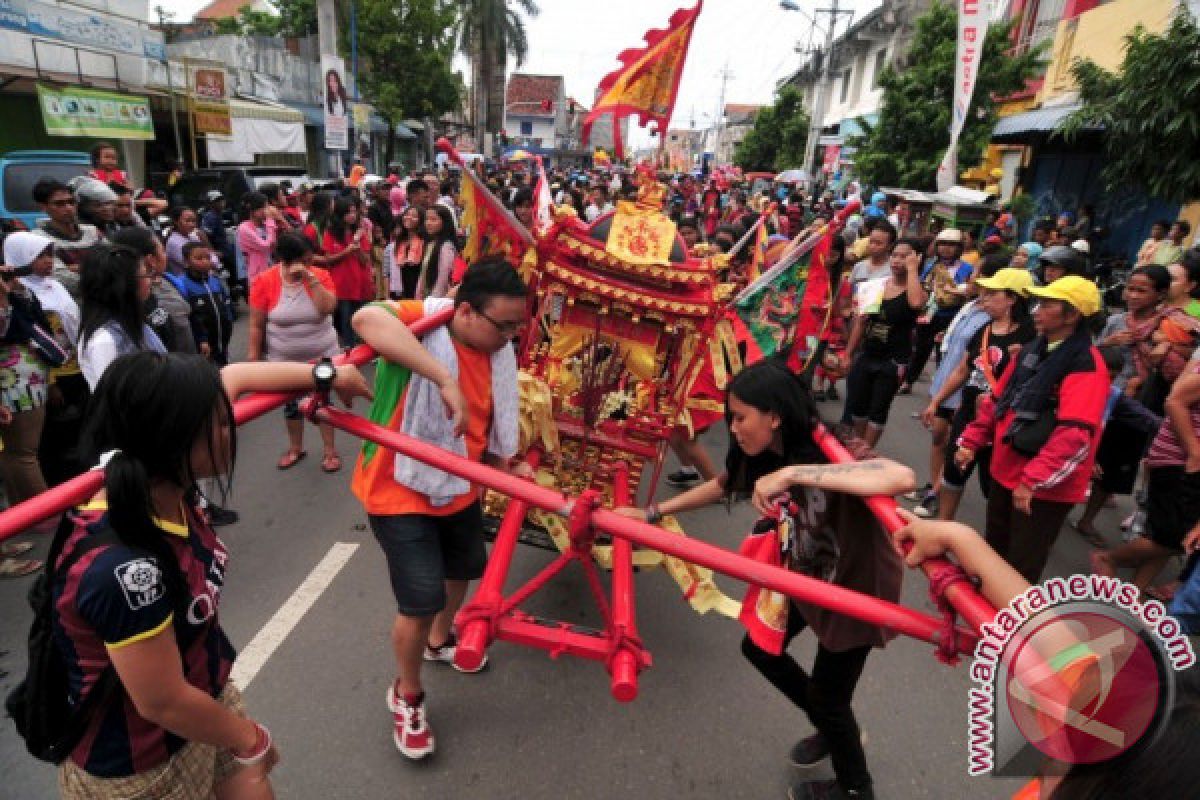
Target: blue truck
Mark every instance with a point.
(21, 169)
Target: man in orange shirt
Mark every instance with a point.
(434, 546)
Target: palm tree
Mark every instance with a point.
(488, 32)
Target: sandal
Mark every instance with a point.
(18, 567)
(11, 549)
(331, 463)
(290, 459)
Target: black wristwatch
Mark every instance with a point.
(323, 374)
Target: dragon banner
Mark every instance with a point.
(786, 309)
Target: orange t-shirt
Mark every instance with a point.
(267, 287)
(374, 481)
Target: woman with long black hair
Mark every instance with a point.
(772, 455)
(437, 263)
(114, 284)
(403, 256)
(137, 609)
(347, 249)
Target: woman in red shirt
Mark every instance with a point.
(347, 249)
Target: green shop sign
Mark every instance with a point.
(71, 111)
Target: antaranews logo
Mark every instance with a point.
(1077, 670)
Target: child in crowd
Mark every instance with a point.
(212, 311)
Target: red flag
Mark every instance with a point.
(490, 227)
(648, 80)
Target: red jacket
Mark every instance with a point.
(1061, 471)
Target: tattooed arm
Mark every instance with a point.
(876, 476)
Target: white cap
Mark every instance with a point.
(1082, 246)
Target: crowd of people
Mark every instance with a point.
(119, 354)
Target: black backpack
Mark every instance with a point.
(39, 704)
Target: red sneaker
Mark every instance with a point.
(412, 735)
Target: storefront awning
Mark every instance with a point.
(258, 128)
(314, 116)
(257, 109)
(1041, 120)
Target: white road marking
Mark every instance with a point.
(254, 655)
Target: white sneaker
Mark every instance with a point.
(446, 653)
(410, 728)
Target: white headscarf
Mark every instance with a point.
(22, 247)
(20, 250)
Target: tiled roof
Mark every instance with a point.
(527, 92)
(220, 9)
(740, 108)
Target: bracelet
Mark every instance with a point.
(653, 515)
(262, 746)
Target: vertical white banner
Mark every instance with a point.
(972, 28)
(335, 101)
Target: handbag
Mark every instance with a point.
(1029, 436)
(765, 612)
(46, 347)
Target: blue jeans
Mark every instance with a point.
(341, 321)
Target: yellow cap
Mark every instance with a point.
(1079, 292)
(1010, 278)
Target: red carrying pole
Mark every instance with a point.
(961, 595)
(18, 518)
(869, 609)
(476, 631)
(624, 665)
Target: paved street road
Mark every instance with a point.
(705, 726)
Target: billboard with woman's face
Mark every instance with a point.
(336, 103)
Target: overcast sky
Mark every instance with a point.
(756, 39)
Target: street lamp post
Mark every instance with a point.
(163, 17)
(823, 89)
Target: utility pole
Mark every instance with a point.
(327, 36)
(719, 122)
(823, 89)
(163, 16)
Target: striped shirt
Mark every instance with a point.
(115, 596)
(1167, 449)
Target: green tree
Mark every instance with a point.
(487, 33)
(405, 48)
(1149, 111)
(776, 142)
(906, 144)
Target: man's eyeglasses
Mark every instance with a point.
(506, 329)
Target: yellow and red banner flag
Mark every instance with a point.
(648, 80)
(640, 235)
(489, 227)
(758, 256)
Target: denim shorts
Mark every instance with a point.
(423, 551)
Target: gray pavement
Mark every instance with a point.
(706, 725)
